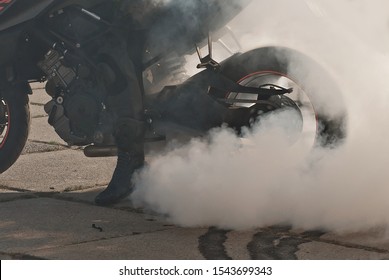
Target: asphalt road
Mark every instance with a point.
(47, 212)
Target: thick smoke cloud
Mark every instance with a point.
(261, 180)
(179, 24)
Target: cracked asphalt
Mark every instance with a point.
(47, 212)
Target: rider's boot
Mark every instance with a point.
(121, 184)
(129, 137)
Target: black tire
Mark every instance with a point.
(319, 86)
(14, 133)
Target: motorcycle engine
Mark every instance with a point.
(76, 107)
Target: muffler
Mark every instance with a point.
(103, 151)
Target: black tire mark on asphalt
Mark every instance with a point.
(277, 243)
(23, 257)
(211, 244)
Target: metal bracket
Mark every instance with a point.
(219, 81)
(207, 61)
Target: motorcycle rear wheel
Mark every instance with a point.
(286, 68)
(14, 125)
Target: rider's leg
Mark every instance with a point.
(127, 103)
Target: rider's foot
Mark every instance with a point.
(121, 185)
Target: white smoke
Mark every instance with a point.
(238, 184)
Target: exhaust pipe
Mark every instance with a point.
(93, 151)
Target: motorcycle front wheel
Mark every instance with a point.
(14, 125)
(315, 97)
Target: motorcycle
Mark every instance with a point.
(56, 41)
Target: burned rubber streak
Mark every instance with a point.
(274, 243)
(277, 243)
(211, 244)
